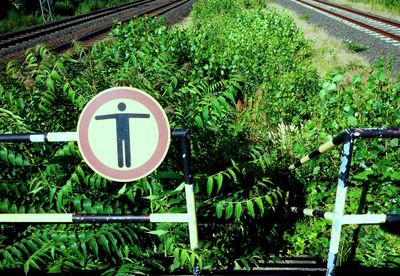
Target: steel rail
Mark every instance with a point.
(8, 35)
(61, 43)
(153, 12)
(364, 14)
(39, 30)
(167, 8)
(374, 29)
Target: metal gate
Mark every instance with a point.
(338, 217)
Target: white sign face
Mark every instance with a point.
(123, 134)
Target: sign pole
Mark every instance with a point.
(184, 137)
(123, 134)
(189, 217)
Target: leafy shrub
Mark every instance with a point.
(201, 81)
(15, 20)
(64, 8)
(354, 46)
(345, 103)
(240, 80)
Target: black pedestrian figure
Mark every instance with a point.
(122, 120)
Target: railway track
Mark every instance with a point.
(62, 34)
(382, 28)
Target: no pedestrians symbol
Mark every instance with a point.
(123, 134)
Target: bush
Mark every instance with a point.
(201, 81)
(64, 8)
(241, 82)
(16, 20)
(353, 103)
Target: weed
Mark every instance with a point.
(241, 80)
(305, 17)
(354, 46)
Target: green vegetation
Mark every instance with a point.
(18, 14)
(329, 54)
(13, 18)
(240, 78)
(305, 17)
(354, 46)
(384, 8)
(86, 6)
(390, 4)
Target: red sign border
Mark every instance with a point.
(156, 111)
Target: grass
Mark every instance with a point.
(354, 46)
(330, 53)
(390, 4)
(16, 19)
(92, 5)
(184, 24)
(305, 17)
(384, 8)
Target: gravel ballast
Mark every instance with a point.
(177, 15)
(375, 47)
(73, 33)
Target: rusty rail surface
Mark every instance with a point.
(13, 44)
(12, 38)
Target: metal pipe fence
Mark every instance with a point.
(188, 217)
(338, 217)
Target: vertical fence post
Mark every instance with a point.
(189, 217)
(183, 134)
(340, 200)
(347, 139)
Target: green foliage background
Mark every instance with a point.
(240, 79)
(390, 4)
(18, 14)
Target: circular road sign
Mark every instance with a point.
(123, 134)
